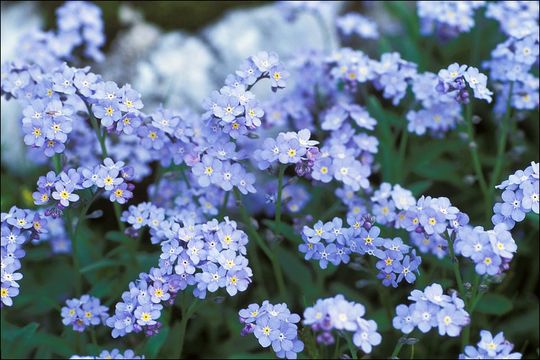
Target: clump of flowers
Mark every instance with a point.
(432, 309)
(457, 80)
(337, 313)
(113, 354)
(273, 325)
(490, 347)
(333, 243)
(84, 312)
(520, 196)
(356, 24)
(447, 19)
(207, 256)
(109, 178)
(18, 226)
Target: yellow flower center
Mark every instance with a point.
(36, 132)
(235, 125)
(266, 330)
(291, 152)
(152, 135)
(324, 170)
(432, 221)
(277, 76)
(118, 192)
(487, 261)
(234, 280)
(64, 194)
(227, 239)
(158, 293)
(108, 180)
(208, 170)
(146, 316)
(88, 314)
(368, 240)
(447, 320)
(388, 261)
(109, 111)
(71, 312)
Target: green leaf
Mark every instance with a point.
(17, 343)
(105, 263)
(118, 236)
(156, 342)
(284, 229)
(494, 304)
(297, 272)
(418, 188)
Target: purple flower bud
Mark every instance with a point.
(248, 329)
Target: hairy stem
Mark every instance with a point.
(260, 242)
(473, 147)
(278, 200)
(501, 145)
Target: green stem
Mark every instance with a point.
(402, 150)
(224, 204)
(397, 348)
(501, 145)
(68, 220)
(97, 129)
(264, 247)
(336, 350)
(473, 147)
(186, 315)
(93, 337)
(57, 163)
(412, 351)
(184, 177)
(352, 348)
(455, 264)
(278, 200)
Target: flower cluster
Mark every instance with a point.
(289, 148)
(113, 354)
(491, 347)
(356, 24)
(208, 256)
(391, 74)
(457, 80)
(342, 315)
(433, 222)
(108, 177)
(80, 22)
(84, 312)
(520, 196)
(430, 309)
(447, 19)
(333, 243)
(273, 325)
(18, 226)
(490, 250)
(427, 220)
(439, 113)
